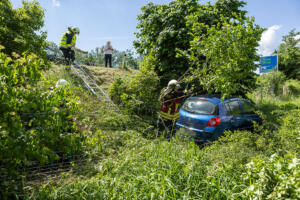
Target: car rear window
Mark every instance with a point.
(201, 107)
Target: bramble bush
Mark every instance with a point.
(35, 123)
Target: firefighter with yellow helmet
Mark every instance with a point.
(68, 42)
(169, 111)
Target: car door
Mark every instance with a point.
(249, 114)
(234, 114)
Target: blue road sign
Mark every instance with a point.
(268, 64)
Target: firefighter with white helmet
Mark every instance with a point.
(68, 42)
(172, 83)
(170, 105)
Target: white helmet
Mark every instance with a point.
(74, 29)
(172, 83)
(61, 83)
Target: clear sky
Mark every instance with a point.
(115, 20)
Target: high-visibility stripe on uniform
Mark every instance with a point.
(170, 116)
(166, 116)
(172, 113)
(66, 41)
(170, 108)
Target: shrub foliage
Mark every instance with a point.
(35, 123)
(163, 32)
(241, 165)
(216, 40)
(272, 83)
(275, 178)
(138, 94)
(230, 51)
(289, 55)
(20, 28)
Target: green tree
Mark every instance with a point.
(131, 60)
(20, 28)
(230, 52)
(125, 56)
(289, 55)
(93, 58)
(163, 32)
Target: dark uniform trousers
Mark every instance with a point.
(69, 54)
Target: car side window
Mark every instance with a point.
(249, 109)
(233, 108)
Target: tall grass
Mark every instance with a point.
(159, 169)
(263, 164)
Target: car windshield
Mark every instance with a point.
(201, 107)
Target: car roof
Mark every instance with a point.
(215, 98)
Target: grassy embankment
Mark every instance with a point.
(240, 165)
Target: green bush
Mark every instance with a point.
(35, 122)
(288, 135)
(275, 178)
(138, 94)
(272, 83)
(237, 166)
(293, 87)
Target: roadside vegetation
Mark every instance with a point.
(123, 158)
(262, 164)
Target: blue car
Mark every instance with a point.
(205, 118)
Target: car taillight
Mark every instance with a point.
(215, 121)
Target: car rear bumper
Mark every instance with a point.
(194, 134)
